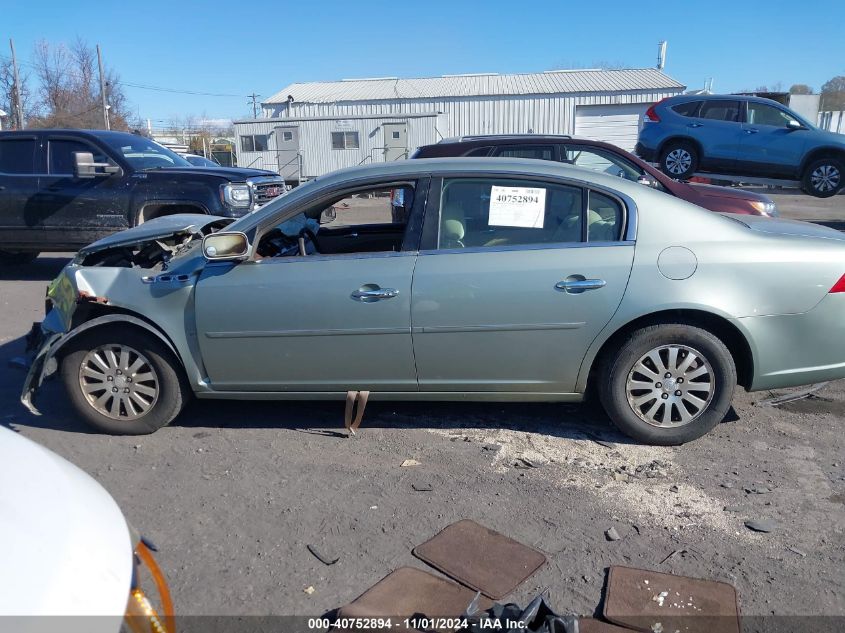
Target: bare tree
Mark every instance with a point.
(800, 89)
(7, 95)
(69, 92)
(833, 94)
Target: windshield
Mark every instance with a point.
(142, 153)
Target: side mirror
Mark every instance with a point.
(645, 180)
(85, 167)
(225, 246)
(792, 124)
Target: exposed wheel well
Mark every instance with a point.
(157, 210)
(684, 139)
(720, 327)
(822, 152)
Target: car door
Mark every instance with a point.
(516, 278)
(718, 130)
(18, 187)
(85, 208)
(335, 319)
(769, 146)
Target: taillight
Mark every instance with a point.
(839, 286)
(650, 115)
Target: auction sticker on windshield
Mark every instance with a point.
(517, 206)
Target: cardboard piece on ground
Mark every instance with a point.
(480, 558)
(639, 599)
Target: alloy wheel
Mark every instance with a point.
(825, 177)
(670, 386)
(118, 382)
(678, 161)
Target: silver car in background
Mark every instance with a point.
(450, 279)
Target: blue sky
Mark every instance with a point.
(243, 47)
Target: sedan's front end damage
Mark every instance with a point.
(113, 281)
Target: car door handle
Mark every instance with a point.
(580, 285)
(366, 294)
(751, 131)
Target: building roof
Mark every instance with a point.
(549, 82)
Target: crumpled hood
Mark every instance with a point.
(781, 226)
(159, 228)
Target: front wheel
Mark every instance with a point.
(123, 381)
(668, 384)
(823, 178)
(679, 160)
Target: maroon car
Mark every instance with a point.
(602, 157)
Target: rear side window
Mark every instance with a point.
(690, 108)
(539, 152)
(720, 110)
(61, 153)
(604, 218)
(479, 151)
(492, 212)
(17, 156)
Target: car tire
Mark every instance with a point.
(823, 177)
(17, 258)
(679, 159)
(637, 397)
(143, 374)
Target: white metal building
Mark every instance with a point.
(312, 128)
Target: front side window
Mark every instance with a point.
(366, 221)
(344, 140)
(600, 160)
(61, 153)
(720, 110)
(486, 212)
(762, 114)
(17, 156)
(539, 152)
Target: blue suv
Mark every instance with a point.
(746, 136)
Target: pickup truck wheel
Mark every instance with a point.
(123, 381)
(668, 384)
(679, 159)
(823, 178)
(16, 258)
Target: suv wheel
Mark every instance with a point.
(679, 160)
(823, 177)
(668, 384)
(123, 381)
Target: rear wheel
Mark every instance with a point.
(823, 178)
(17, 258)
(679, 159)
(123, 381)
(668, 384)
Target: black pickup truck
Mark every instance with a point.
(63, 189)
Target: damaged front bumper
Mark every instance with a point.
(42, 343)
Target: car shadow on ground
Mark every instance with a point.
(44, 268)
(583, 421)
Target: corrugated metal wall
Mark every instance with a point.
(315, 140)
(506, 114)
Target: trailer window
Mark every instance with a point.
(254, 143)
(344, 140)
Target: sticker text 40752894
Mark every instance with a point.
(517, 206)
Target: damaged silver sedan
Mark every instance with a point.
(467, 279)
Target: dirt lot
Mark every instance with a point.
(233, 492)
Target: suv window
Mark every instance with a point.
(368, 221)
(720, 110)
(600, 160)
(762, 114)
(61, 155)
(479, 212)
(539, 152)
(690, 108)
(17, 155)
(479, 151)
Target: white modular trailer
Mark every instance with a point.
(301, 148)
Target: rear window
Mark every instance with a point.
(690, 108)
(17, 156)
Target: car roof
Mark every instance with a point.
(101, 134)
(685, 98)
(493, 140)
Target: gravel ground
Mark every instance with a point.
(233, 492)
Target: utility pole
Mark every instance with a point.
(254, 98)
(18, 105)
(103, 89)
